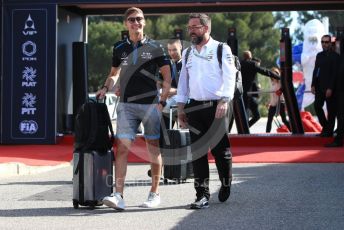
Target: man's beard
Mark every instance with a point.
(196, 40)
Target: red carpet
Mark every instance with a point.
(283, 148)
(36, 155)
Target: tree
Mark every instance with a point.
(335, 19)
(283, 19)
(255, 32)
(101, 37)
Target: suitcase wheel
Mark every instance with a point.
(75, 204)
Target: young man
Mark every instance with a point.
(174, 48)
(208, 88)
(135, 61)
(323, 86)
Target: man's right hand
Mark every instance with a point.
(183, 121)
(101, 93)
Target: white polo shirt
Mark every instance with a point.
(202, 79)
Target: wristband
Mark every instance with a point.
(163, 103)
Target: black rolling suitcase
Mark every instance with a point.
(93, 155)
(92, 177)
(176, 154)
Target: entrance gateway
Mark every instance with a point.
(36, 54)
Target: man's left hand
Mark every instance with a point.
(221, 109)
(160, 107)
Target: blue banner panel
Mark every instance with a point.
(29, 76)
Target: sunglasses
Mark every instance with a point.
(325, 42)
(191, 28)
(133, 19)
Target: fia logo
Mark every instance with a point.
(29, 75)
(29, 27)
(28, 127)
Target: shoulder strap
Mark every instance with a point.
(219, 54)
(237, 63)
(187, 54)
(109, 124)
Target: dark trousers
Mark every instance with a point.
(253, 105)
(272, 113)
(326, 123)
(340, 118)
(207, 132)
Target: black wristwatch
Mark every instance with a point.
(163, 103)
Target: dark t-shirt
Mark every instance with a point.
(174, 73)
(139, 69)
(175, 78)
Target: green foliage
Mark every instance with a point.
(335, 18)
(255, 32)
(101, 37)
(311, 109)
(283, 19)
(335, 21)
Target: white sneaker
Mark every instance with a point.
(114, 201)
(152, 201)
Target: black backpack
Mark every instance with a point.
(238, 77)
(92, 125)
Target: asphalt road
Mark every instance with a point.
(264, 196)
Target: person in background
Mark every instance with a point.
(208, 89)
(174, 48)
(338, 140)
(323, 86)
(135, 61)
(277, 103)
(249, 69)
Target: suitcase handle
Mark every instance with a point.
(173, 107)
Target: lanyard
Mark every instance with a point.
(174, 70)
(208, 57)
(135, 53)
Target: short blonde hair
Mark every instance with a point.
(130, 11)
